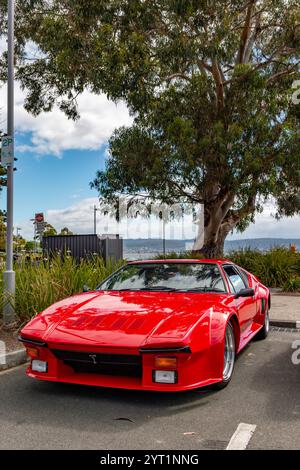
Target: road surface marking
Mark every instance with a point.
(298, 324)
(241, 437)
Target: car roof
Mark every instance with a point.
(182, 260)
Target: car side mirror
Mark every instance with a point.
(85, 288)
(245, 293)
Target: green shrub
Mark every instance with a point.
(182, 255)
(292, 285)
(38, 285)
(274, 267)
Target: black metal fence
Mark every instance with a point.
(83, 246)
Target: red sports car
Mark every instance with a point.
(166, 325)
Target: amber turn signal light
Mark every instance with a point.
(165, 362)
(32, 352)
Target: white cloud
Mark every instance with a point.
(266, 226)
(78, 217)
(52, 133)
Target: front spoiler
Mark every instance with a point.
(118, 382)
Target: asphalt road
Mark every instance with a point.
(265, 391)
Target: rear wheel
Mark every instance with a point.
(263, 333)
(229, 357)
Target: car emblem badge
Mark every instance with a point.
(93, 357)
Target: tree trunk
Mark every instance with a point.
(210, 244)
(214, 246)
(212, 250)
(218, 221)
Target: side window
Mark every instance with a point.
(244, 276)
(235, 279)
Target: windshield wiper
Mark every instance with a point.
(203, 289)
(128, 289)
(154, 288)
(159, 288)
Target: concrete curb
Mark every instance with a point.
(13, 359)
(293, 324)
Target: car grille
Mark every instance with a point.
(107, 364)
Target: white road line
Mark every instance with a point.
(298, 324)
(241, 437)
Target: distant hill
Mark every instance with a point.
(142, 247)
(261, 244)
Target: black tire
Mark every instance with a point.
(263, 333)
(229, 352)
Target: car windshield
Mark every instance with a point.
(187, 277)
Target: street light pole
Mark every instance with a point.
(164, 237)
(95, 220)
(9, 274)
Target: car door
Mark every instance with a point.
(246, 306)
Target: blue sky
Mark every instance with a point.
(44, 182)
(57, 159)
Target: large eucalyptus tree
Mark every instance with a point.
(210, 84)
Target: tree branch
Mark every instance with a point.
(245, 33)
(219, 84)
(252, 39)
(182, 192)
(177, 75)
(234, 216)
(259, 66)
(274, 77)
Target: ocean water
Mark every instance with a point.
(150, 248)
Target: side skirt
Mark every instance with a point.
(249, 334)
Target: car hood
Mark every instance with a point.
(122, 319)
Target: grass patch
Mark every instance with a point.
(39, 285)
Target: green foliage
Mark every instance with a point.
(49, 230)
(274, 268)
(65, 231)
(182, 255)
(292, 285)
(41, 283)
(30, 245)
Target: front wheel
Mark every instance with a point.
(263, 333)
(229, 357)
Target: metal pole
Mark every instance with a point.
(164, 237)
(95, 220)
(9, 274)
(35, 239)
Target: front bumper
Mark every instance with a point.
(193, 369)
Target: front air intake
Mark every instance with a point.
(99, 363)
